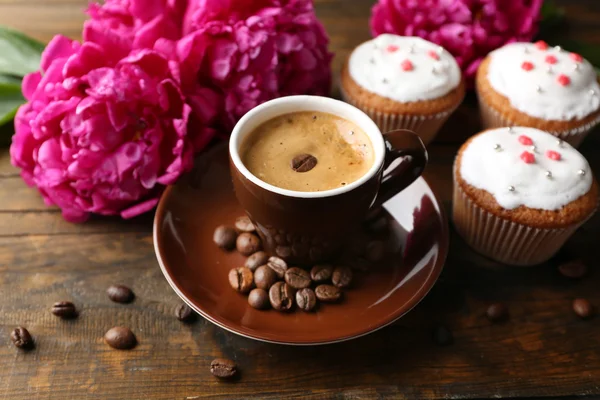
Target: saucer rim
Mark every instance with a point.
(411, 304)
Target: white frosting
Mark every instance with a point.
(538, 92)
(378, 68)
(496, 171)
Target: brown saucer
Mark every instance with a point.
(189, 212)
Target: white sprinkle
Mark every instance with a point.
(557, 48)
(440, 49)
(538, 88)
(411, 49)
(511, 188)
(372, 60)
(549, 174)
(559, 142)
(510, 129)
(549, 69)
(497, 147)
(575, 67)
(592, 92)
(384, 80)
(526, 50)
(581, 172)
(534, 148)
(433, 69)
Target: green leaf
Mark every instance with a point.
(19, 54)
(10, 98)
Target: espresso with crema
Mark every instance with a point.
(308, 152)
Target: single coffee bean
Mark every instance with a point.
(304, 162)
(241, 279)
(583, 308)
(442, 336)
(264, 277)
(573, 269)
(247, 244)
(497, 312)
(278, 265)
(306, 299)
(243, 224)
(321, 273)
(184, 313)
(297, 278)
(223, 368)
(375, 251)
(259, 299)
(120, 294)
(22, 338)
(328, 293)
(225, 237)
(120, 338)
(256, 260)
(281, 296)
(64, 309)
(342, 277)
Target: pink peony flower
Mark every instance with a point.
(249, 52)
(469, 29)
(99, 136)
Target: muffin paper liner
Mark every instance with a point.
(426, 126)
(492, 118)
(504, 240)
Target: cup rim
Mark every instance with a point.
(309, 103)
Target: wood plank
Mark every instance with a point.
(544, 350)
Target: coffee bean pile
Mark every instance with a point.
(270, 282)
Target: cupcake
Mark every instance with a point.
(520, 193)
(531, 84)
(403, 83)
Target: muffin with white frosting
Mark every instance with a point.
(533, 84)
(520, 193)
(403, 83)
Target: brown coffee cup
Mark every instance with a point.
(310, 227)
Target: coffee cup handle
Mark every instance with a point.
(405, 160)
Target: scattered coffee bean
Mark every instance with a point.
(328, 293)
(306, 299)
(442, 336)
(375, 251)
(497, 312)
(241, 279)
(583, 308)
(283, 251)
(120, 294)
(64, 309)
(259, 299)
(247, 244)
(120, 338)
(21, 338)
(321, 273)
(573, 269)
(281, 296)
(225, 237)
(223, 368)
(378, 225)
(256, 260)
(278, 265)
(264, 277)
(297, 278)
(243, 224)
(303, 162)
(184, 313)
(342, 277)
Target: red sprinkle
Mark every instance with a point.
(576, 57)
(527, 66)
(433, 54)
(526, 140)
(550, 59)
(407, 65)
(391, 48)
(528, 157)
(541, 45)
(553, 155)
(563, 80)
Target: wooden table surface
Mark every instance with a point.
(543, 350)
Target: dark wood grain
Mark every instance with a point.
(543, 350)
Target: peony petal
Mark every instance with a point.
(30, 84)
(59, 47)
(139, 208)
